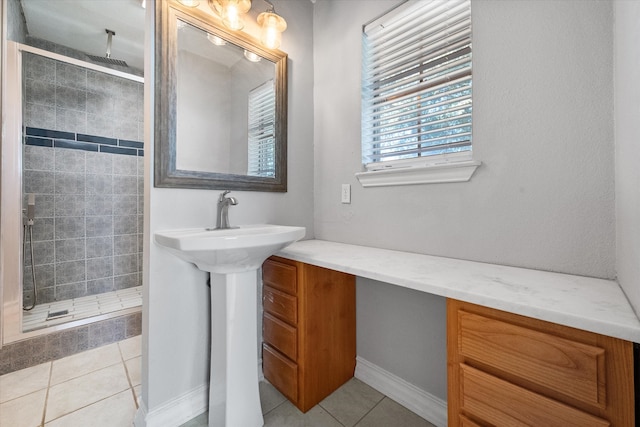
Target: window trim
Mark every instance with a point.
(439, 168)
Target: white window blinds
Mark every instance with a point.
(416, 82)
(262, 112)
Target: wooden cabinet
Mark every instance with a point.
(309, 330)
(509, 370)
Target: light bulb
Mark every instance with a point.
(231, 17)
(272, 26)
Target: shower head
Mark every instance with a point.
(107, 58)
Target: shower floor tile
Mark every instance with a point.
(81, 308)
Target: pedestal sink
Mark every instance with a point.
(232, 256)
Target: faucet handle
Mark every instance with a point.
(223, 194)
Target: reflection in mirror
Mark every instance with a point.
(225, 106)
(221, 111)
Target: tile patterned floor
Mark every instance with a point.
(99, 388)
(95, 388)
(81, 308)
(355, 404)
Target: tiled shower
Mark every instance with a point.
(83, 132)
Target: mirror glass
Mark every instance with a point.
(220, 105)
(225, 106)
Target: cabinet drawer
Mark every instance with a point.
(498, 402)
(280, 335)
(574, 369)
(280, 372)
(280, 276)
(280, 304)
(466, 422)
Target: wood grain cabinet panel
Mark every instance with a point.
(501, 403)
(569, 367)
(323, 332)
(510, 370)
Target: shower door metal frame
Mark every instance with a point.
(11, 262)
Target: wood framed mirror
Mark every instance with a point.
(220, 105)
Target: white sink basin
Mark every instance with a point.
(232, 250)
(232, 257)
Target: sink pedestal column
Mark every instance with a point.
(234, 399)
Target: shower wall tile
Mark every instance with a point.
(99, 204)
(69, 227)
(38, 182)
(40, 92)
(125, 225)
(43, 229)
(46, 295)
(44, 205)
(99, 226)
(70, 250)
(37, 115)
(100, 163)
(126, 244)
(125, 205)
(70, 272)
(72, 290)
(69, 160)
(126, 281)
(71, 99)
(68, 205)
(39, 68)
(67, 118)
(99, 184)
(98, 124)
(71, 76)
(45, 276)
(125, 184)
(98, 268)
(69, 183)
(38, 158)
(126, 166)
(100, 247)
(42, 251)
(124, 264)
(100, 286)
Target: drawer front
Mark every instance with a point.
(466, 422)
(501, 403)
(574, 369)
(280, 276)
(280, 372)
(280, 304)
(280, 335)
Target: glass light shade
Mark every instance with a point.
(272, 26)
(190, 3)
(231, 11)
(252, 56)
(216, 40)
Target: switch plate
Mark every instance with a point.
(346, 193)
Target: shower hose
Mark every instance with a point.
(29, 227)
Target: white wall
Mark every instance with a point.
(543, 198)
(175, 313)
(627, 112)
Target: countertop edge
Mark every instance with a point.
(591, 304)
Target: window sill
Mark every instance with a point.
(429, 174)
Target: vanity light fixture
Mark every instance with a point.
(216, 40)
(272, 26)
(190, 3)
(251, 56)
(231, 11)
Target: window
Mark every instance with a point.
(417, 94)
(262, 113)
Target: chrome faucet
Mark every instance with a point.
(222, 221)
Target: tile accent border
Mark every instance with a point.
(56, 345)
(426, 405)
(79, 141)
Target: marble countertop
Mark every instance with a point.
(587, 303)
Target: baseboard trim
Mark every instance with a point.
(175, 412)
(426, 405)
